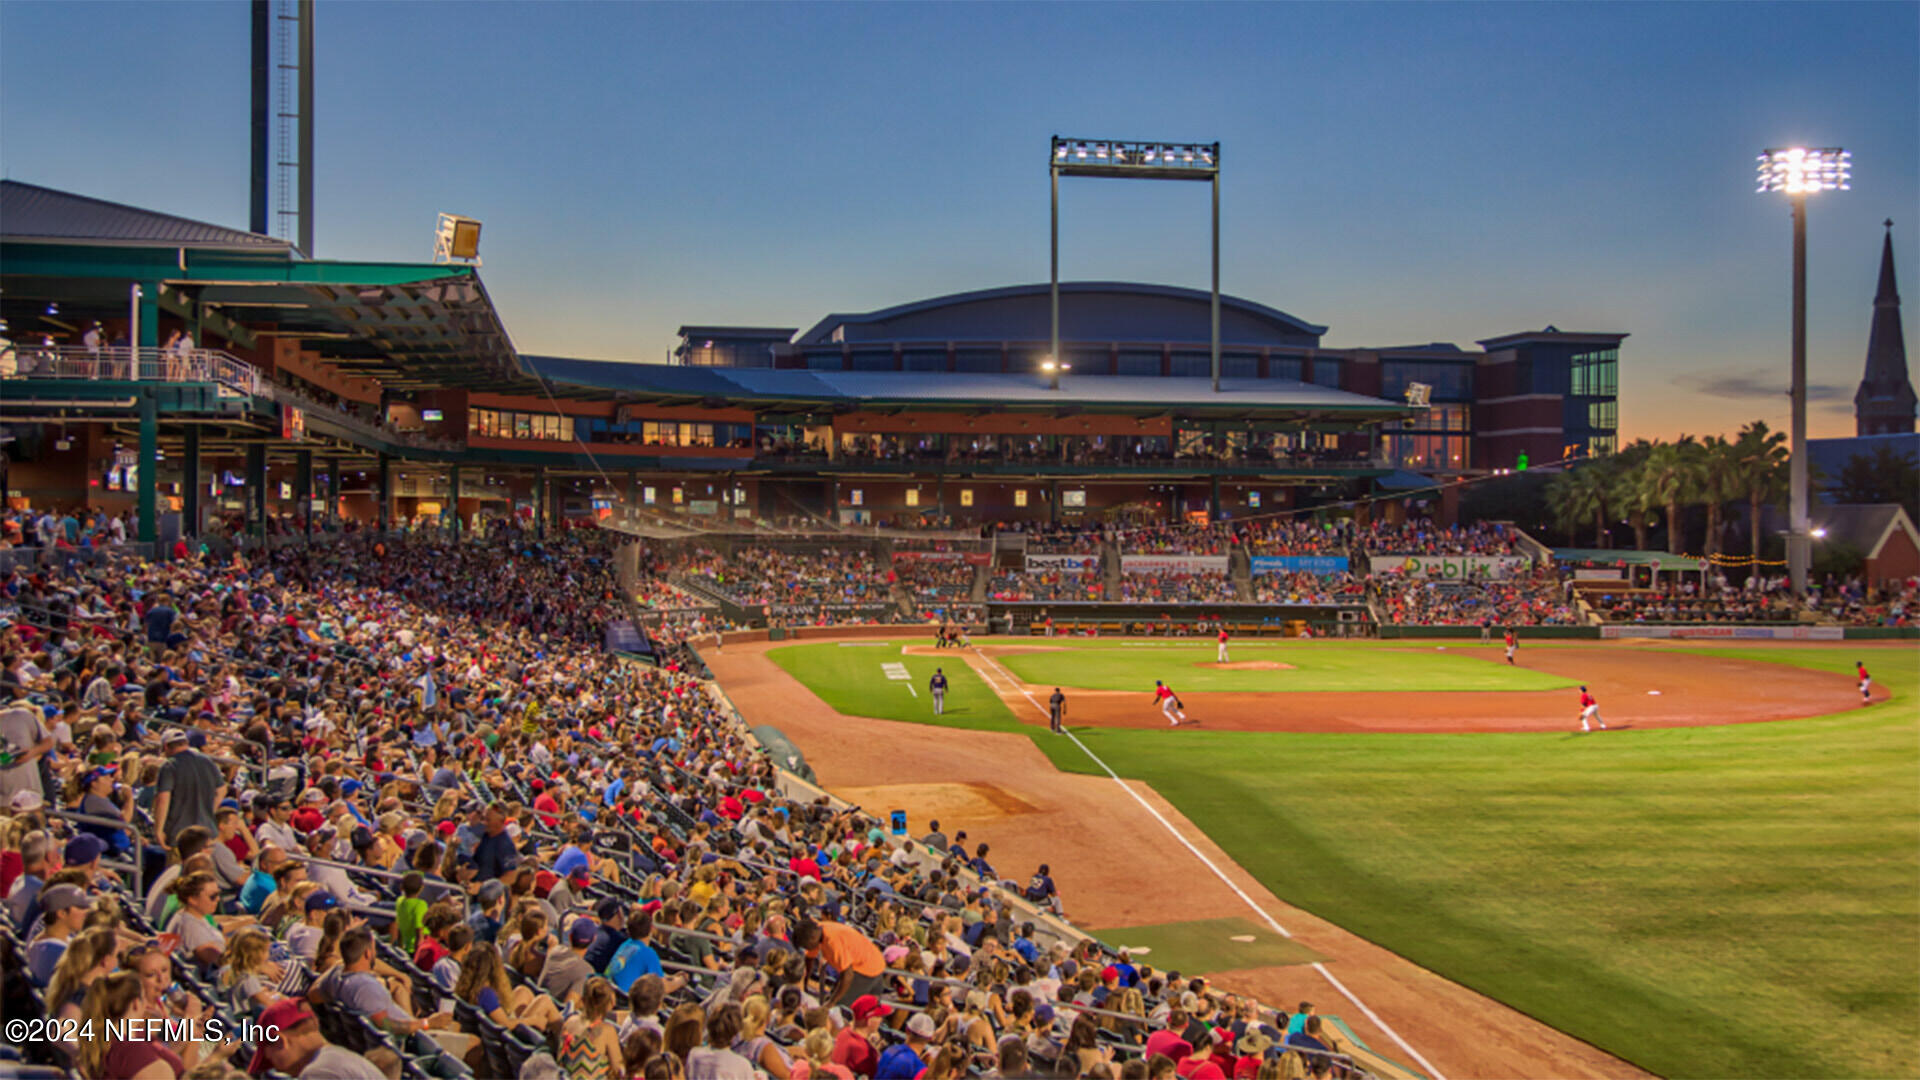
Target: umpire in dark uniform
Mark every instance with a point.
(1056, 710)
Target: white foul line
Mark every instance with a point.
(1237, 891)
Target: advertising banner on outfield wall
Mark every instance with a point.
(1728, 633)
(1179, 564)
(1063, 562)
(1295, 564)
(1451, 567)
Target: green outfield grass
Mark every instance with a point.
(1108, 664)
(1718, 901)
(850, 677)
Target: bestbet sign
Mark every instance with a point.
(1452, 567)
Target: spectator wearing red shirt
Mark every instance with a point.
(1202, 1063)
(854, 1047)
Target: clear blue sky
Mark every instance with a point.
(1402, 172)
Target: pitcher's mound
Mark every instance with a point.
(1249, 665)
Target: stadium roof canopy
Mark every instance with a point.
(816, 390)
(408, 324)
(1089, 311)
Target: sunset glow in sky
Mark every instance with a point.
(1403, 173)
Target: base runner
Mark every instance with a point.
(1170, 706)
(1589, 710)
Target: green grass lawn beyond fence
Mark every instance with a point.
(1107, 664)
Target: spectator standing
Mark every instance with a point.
(190, 787)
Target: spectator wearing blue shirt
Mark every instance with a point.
(495, 857)
(265, 879)
(906, 1060)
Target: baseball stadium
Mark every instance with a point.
(1079, 678)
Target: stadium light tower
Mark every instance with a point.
(1798, 172)
(1126, 160)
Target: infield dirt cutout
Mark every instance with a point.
(1118, 866)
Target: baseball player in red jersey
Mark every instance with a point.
(1512, 644)
(1221, 653)
(1169, 705)
(1589, 710)
(1866, 682)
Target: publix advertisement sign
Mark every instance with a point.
(1452, 567)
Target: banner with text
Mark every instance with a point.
(1063, 562)
(1727, 633)
(1451, 567)
(1179, 564)
(1296, 564)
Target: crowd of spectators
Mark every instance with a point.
(758, 576)
(1295, 536)
(1537, 599)
(938, 582)
(1688, 602)
(1178, 587)
(1305, 587)
(1175, 540)
(1895, 603)
(1072, 585)
(397, 796)
(1424, 537)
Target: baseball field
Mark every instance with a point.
(1695, 895)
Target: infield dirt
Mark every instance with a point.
(1118, 866)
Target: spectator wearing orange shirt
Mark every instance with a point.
(858, 961)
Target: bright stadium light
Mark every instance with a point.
(1132, 160)
(1802, 171)
(1797, 172)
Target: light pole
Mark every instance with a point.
(1798, 172)
(1133, 160)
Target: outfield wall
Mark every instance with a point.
(1534, 633)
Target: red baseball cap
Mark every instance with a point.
(1109, 974)
(280, 1017)
(866, 1007)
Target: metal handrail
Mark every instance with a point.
(133, 834)
(145, 363)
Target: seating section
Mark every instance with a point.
(554, 851)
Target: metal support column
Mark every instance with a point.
(149, 474)
(1799, 532)
(303, 488)
(333, 492)
(1213, 500)
(257, 490)
(1053, 353)
(1053, 503)
(1216, 282)
(261, 124)
(306, 128)
(540, 501)
(190, 483)
(453, 497)
(384, 508)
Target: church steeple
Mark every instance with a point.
(1885, 402)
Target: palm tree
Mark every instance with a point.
(1762, 461)
(1628, 493)
(1580, 496)
(1671, 479)
(1719, 481)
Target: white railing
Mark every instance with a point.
(129, 364)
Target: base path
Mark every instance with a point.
(1118, 865)
(1637, 687)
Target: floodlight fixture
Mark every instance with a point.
(456, 237)
(1801, 170)
(1797, 172)
(1131, 159)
